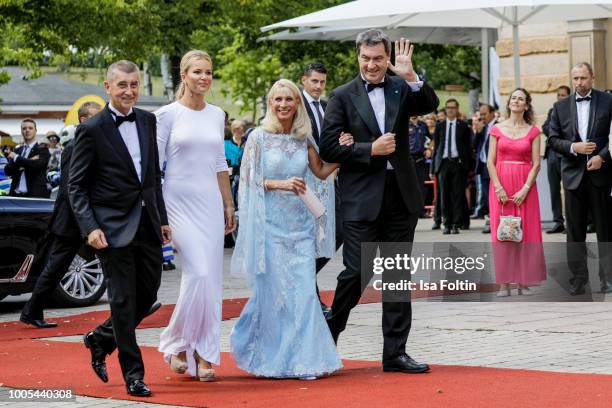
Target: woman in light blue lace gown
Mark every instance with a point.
(281, 332)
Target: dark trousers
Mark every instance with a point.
(553, 165)
(393, 224)
(422, 170)
(61, 253)
(438, 204)
(132, 275)
(587, 197)
(452, 188)
(321, 262)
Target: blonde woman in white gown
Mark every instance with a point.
(201, 211)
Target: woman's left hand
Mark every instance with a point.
(230, 220)
(520, 196)
(346, 139)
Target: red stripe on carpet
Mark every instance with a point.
(62, 365)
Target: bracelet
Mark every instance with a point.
(497, 190)
(528, 186)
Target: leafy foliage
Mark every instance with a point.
(93, 33)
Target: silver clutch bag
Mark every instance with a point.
(510, 228)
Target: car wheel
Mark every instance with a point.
(83, 284)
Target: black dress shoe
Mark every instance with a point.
(138, 388)
(577, 288)
(446, 231)
(404, 364)
(436, 226)
(154, 308)
(486, 230)
(606, 287)
(39, 323)
(476, 217)
(454, 230)
(556, 229)
(98, 356)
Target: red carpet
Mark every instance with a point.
(62, 365)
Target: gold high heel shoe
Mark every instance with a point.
(177, 365)
(204, 374)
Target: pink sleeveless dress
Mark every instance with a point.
(522, 262)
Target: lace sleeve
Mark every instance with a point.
(249, 257)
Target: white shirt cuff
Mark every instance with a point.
(415, 86)
(572, 150)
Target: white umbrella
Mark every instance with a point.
(451, 13)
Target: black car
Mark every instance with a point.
(24, 242)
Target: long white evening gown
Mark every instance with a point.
(191, 143)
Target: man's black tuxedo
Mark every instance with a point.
(377, 204)
(105, 192)
(564, 131)
(35, 171)
(65, 243)
(311, 115)
(361, 177)
(584, 190)
(104, 188)
(452, 173)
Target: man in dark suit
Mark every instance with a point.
(314, 81)
(27, 165)
(553, 167)
(65, 239)
(579, 132)
(451, 165)
(482, 173)
(115, 193)
(379, 189)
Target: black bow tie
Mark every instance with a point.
(120, 119)
(371, 87)
(586, 98)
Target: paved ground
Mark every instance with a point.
(550, 336)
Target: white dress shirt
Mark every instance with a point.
(314, 108)
(377, 100)
(22, 188)
(129, 134)
(451, 137)
(583, 110)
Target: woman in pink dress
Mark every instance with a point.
(513, 164)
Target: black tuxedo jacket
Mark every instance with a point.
(63, 222)
(362, 176)
(462, 140)
(480, 139)
(104, 188)
(563, 131)
(35, 171)
(311, 115)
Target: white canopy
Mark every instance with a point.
(392, 14)
(420, 35)
(450, 13)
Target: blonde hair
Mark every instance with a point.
(186, 61)
(301, 122)
(238, 124)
